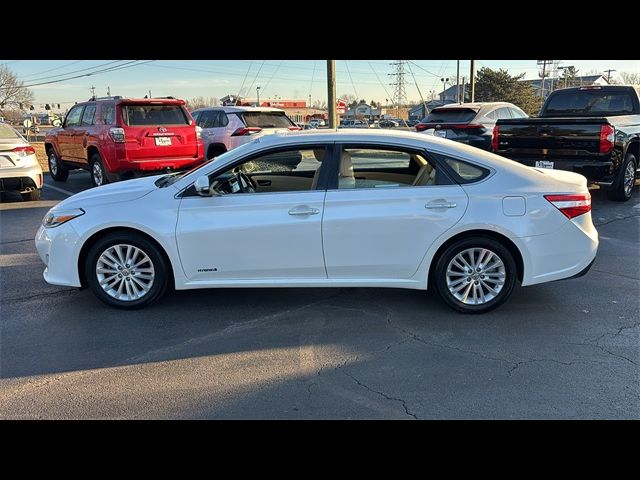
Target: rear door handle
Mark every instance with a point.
(441, 205)
(304, 210)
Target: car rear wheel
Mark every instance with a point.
(623, 186)
(32, 196)
(126, 270)
(475, 275)
(98, 173)
(57, 171)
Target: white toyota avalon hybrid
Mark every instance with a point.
(327, 209)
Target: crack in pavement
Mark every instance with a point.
(584, 344)
(18, 241)
(614, 220)
(9, 300)
(615, 274)
(534, 360)
(388, 397)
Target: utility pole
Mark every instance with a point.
(458, 81)
(108, 91)
(472, 77)
(544, 64)
(93, 91)
(463, 85)
(331, 88)
(258, 95)
(150, 94)
(309, 100)
(609, 74)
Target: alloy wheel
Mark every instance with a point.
(475, 276)
(125, 272)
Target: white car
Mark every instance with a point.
(359, 208)
(19, 168)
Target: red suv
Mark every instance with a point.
(118, 138)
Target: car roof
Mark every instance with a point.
(473, 106)
(229, 109)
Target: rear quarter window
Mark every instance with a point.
(462, 172)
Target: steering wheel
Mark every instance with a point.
(245, 183)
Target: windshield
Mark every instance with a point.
(589, 102)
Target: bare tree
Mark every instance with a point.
(320, 104)
(201, 102)
(630, 78)
(12, 91)
(349, 99)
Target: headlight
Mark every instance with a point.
(57, 217)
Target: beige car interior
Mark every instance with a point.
(299, 178)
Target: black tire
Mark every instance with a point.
(32, 196)
(56, 169)
(440, 275)
(158, 264)
(621, 190)
(214, 151)
(99, 175)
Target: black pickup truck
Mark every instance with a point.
(594, 131)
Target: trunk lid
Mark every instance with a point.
(158, 130)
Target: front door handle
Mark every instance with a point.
(304, 210)
(441, 205)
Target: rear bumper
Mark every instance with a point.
(155, 165)
(595, 171)
(566, 253)
(22, 178)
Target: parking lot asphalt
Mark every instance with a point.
(567, 349)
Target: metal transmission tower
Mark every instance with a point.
(399, 92)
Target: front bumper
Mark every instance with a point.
(26, 175)
(59, 248)
(562, 254)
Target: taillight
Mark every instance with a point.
(246, 131)
(24, 151)
(420, 127)
(117, 134)
(607, 138)
(198, 132)
(571, 205)
(295, 128)
(494, 139)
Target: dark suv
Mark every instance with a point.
(117, 138)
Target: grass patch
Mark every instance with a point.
(41, 155)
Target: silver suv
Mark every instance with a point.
(225, 128)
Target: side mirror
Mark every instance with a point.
(203, 186)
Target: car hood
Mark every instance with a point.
(114, 192)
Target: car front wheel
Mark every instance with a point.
(57, 171)
(475, 275)
(126, 270)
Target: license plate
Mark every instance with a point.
(544, 164)
(440, 133)
(163, 141)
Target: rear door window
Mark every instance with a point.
(140, 115)
(88, 115)
(208, 119)
(266, 119)
(451, 115)
(503, 113)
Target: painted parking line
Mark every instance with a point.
(58, 189)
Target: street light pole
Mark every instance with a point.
(258, 94)
(444, 87)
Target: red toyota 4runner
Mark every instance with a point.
(117, 138)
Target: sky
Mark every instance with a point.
(285, 79)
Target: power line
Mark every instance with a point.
(353, 84)
(243, 80)
(105, 70)
(272, 76)
(380, 81)
(52, 69)
(75, 71)
(254, 79)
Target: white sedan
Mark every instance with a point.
(327, 208)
